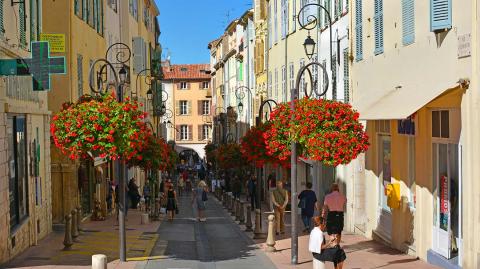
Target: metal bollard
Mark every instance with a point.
(99, 261)
(271, 234)
(79, 219)
(67, 241)
(242, 213)
(257, 234)
(234, 209)
(74, 224)
(249, 219)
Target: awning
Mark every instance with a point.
(399, 103)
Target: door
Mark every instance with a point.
(446, 198)
(384, 227)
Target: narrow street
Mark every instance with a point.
(217, 243)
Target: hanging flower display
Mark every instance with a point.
(100, 127)
(154, 156)
(172, 158)
(254, 147)
(325, 130)
(210, 153)
(229, 156)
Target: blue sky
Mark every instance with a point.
(187, 26)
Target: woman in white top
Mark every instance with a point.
(324, 251)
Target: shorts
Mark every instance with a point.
(334, 222)
(335, 255)
(200, 205)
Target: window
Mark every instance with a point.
(378, 24)
(441, 124)
(284, 18)
(292, 76)
(205, 107)
(240, 71)
(205, 132)
(382, 126)
(440, 15)
(2, 27)
(270, 36)
(269, 89)
(184, 107)
(18, 168)
(411, 171)
(183, 85)
(302, 80)
(328, 7)
(275, 26)
(406, 126)
(334, 73)
(358, 31)
(408, 22)
(205, 85)
(340, 8)
(336, 4)
(184, 132)
(284, 83)
(294, 15)
(34, 20)
(79, 75)
(21, 18)
(133, 8)
(84, 10)
(276, 84)
(346, 77)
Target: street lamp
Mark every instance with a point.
(309, 46)
(122, 56)
(268, 102)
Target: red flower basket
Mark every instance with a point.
(100, 127)
(254, 147)
(325, 130)
(154, 156)
(229, 156)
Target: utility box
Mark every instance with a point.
(392, 191)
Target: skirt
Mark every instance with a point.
(171, 204)
(334, 222)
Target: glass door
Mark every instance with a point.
(384, 178)
(446, 199)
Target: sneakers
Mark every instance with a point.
(202, 219)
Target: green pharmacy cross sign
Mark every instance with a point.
(40, 66)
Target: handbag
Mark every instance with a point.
(204, 196)
(302, 203)
(163, 210)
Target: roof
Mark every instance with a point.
(186, 71)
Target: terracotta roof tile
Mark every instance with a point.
(186, 71)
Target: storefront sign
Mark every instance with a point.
(464, 46)
(444, 195)
(56, 41)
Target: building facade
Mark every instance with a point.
(25, 188)
(190, 85)
(414, 80)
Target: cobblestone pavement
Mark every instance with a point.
(217, 243)
(98, 237)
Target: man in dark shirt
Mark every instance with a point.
(308, 204)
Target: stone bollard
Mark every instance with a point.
(224, 200)
(249, 219)
(79, 219)
(67, 241)
(233, 206)
(237, 210)
(242, 213)
(99, 261)
(74, 224)
(271, 234)
(231, 203)
(257, 234)
(144, 219)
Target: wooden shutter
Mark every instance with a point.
(190, 132)
(199, 107)
(21, 18)
(189, 107)
(378, 24)
(408, 21)
(2, 29)
(177, 108)
(358, 31)
(79, 74)
(294, 16)
(440, 14)
(138, 54)
(200, 132)
(179, 132)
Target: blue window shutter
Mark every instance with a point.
(408, 21)
(358, 31)
(378, 23)
(346, 77)
(440, 14)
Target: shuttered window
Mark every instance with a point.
(270, 36)
(85, 10)
(275, 22)
(335, 8)
(408, 21)
(2, 29)
(80, 75)
(378, 24)
(328, 7)
(21, 18)
(334, 73)
(34, 20)
(440, 14)
(346, 77)
(294, 15)
(358, 30)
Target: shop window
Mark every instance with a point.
(440, 124)
(382, 126)
(18, 169)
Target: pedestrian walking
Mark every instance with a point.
(171, 202)
(181, 185)
(322, 250)
(236, 187)
(333, 208)
(307, 203)
(133, 193)
(280, 200)
(252, 192)
(109, 198)
(147, 194)
(199, 198)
